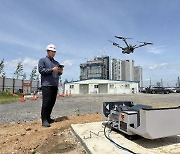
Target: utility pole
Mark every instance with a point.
(178, 82)
(161, 83)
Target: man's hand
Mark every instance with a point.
(60, 70)
(55, 69)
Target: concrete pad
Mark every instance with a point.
(92, 137)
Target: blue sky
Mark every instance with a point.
(81, 29)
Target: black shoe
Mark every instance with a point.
(45, 123)
(51, 120)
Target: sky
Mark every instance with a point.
(80, 29)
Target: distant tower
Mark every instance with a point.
(178, 82)
(103, 68)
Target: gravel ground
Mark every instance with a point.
(80, 104)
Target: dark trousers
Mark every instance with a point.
(49, 94)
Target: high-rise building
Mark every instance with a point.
(98, 68)
(109, 68)
(138, 75)
(128, 70)
(116, 69)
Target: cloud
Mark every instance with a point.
(31, 62)
(28, 64)
(10, 39)
(155, 50)
(176, 67)
(71, 70)
(159, 66)
(68, 63)
(147, 80)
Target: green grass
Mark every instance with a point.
(6, 97)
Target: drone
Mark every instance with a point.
(129, 48)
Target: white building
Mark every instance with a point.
(138, 75)
(127, 70)
(116, 72)
(101, 86)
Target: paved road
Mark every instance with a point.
(80, 104)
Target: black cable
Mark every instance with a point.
(119, 146)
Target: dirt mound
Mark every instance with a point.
(31, 137)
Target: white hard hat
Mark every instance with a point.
(51, 47)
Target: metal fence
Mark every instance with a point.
(18, 85)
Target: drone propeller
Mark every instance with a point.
(122, 38)
(149, 43)
(115, 44)
(146, 43)
(143, 44)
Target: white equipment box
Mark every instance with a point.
(143, 120)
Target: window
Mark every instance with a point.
(111, 86)
(95, 86)
(122, 85)
(71, 86)
(127, 85)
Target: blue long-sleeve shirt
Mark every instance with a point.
(48, 77)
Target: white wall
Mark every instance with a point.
(120, 87)
(18, 85)
(75, 90)
(93, 90)
(1, 83)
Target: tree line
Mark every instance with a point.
(19, 73)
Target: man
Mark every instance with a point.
(50, 71)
